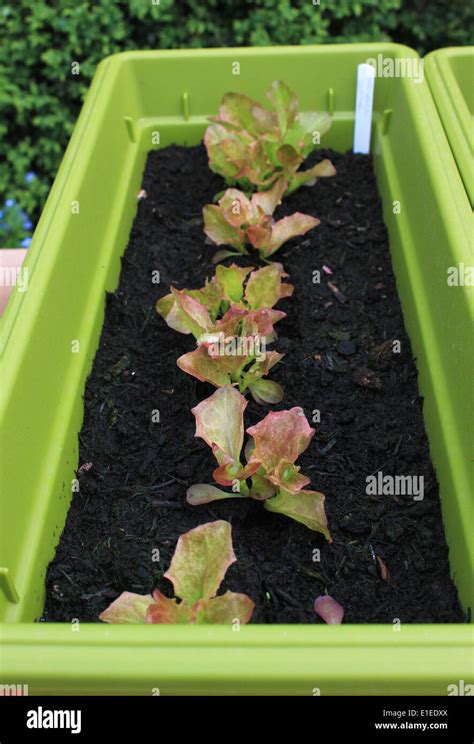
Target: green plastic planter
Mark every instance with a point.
(75, 258)
(450, 74)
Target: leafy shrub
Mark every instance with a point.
(15, 226)
(40, 98)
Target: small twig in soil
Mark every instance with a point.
(381, 467)
(372, 553)
(146, 320)
(145, 489)
(67, 576)
(101, 593)
(82, 443)
(286, 597)
(348, 459)
(324, 450)
(214, 516)
(164, 483)
(178, 480)
(397, 447)
(313, 574)
(340, 296)
(129, 261)
(167, 504)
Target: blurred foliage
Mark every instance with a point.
(40, 96)
(15, 226)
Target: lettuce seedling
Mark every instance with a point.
(229, 302)
(237, 220)
(275, 445)
(253, 147)
(197, 569)
(232, 320)
(225, 360)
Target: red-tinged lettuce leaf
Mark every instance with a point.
(280, 436)
(264, 287)
(256, 168)
(165, 305)
(259, 236)
(249, 448)
(194, 307)
(270, 240)
(227, 151)
(218, 229)
(306, 507)
(167, 611)
(224, 610)
(219, 370)
(227, 222)
(200, 561)
(170, 312)
(288, 476)
(238, 320)
(229, 473)
(231, 321)
(236, 208)
(219, 421)
(128, 608)
(203, 493)
(329, 609)
(288, 158)
(266, 122)
(286, 290)
(211, 341)
(267, 201)
(271, 358)
(193, 313)
(211, 296)
(261, 322)
(300, 135)
(241, 112)
(231, 280)
(284, 103)
(325, 169)
(238, 157)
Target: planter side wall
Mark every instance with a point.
(49, 335)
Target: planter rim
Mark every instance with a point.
(342, 660)
(450, 101)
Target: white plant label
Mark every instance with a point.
(363, 110)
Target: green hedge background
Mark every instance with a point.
(40, 98)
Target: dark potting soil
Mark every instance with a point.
(389, 557)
